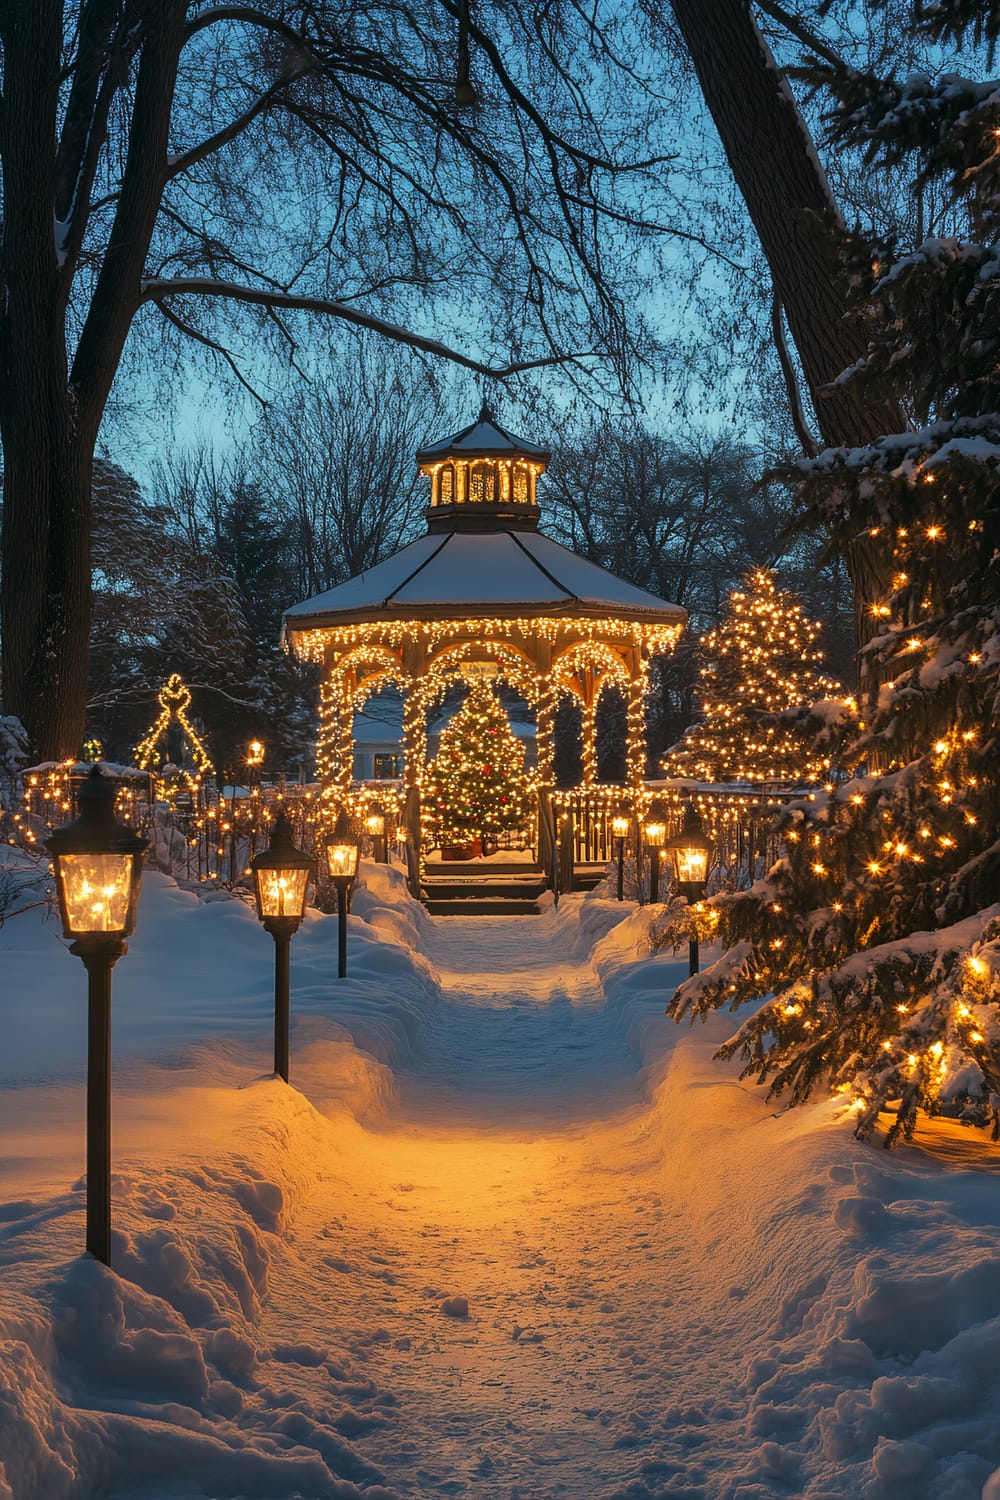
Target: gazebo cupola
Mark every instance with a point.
(482, 479)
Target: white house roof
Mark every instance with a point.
(458, 573)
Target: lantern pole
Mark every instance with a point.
(97, 863)
(99, 959)
(341, 928)
(619, 827)
(282, 935)
(281, 876)
(342, 864)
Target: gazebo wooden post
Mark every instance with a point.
(635, 750)
(588, 726)
(334, 742)
(545, 715)
(345, 736)
(414, 754)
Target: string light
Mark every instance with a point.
(174, 699)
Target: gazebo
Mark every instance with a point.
(483, 594)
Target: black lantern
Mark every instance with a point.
(691, 850)
(342, 865)
(655, 833)
(281, 879)
(97, 863)
(375, 829)
(619, 828)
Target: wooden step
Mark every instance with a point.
(452, 889)
(474, 868)
(495, 906)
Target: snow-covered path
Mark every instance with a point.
(522, 1034)
(509, 1235)
(517, 1170)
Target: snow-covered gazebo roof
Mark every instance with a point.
(483, 554)
(483, 438)
(496, 573)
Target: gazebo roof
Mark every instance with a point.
(483, 438)
(457, 574)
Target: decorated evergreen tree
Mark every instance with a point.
(760, 668)
(878, 937)
(477, 781)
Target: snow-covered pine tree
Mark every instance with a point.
(477, 782)
(878, 937)
(759, 665)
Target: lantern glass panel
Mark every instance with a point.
(656, 832)
(692, 864)
(619, 827)
(342, 859)
(281, 892)
(375, 824)
(96, 892)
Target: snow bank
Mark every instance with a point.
(114, 1379)
(510, 1230)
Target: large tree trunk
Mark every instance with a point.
(49, 414)
(788, 198)
(46, 594)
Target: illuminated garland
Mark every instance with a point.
(313, 644)
(366, 657)
(174, 699)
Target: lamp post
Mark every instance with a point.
(619, 827)
(342, 864)
(655, 834)
(280, 879)
(375, 828)
(98, 869)
(691, 850)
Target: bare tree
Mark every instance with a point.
(273, 159)
(337, 454)
(682, 517)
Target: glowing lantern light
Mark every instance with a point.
(281, 878)
(342, 865)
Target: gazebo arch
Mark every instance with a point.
(484, 587)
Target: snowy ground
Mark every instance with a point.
(510, 1235)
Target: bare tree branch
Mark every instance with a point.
(213, 143)
(802, 33)
(809, 444)
(156, 289)
(210, 343)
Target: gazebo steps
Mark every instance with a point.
(475, 887)
(488, 891)
(476, 869)
(585, 877)
(489, 906)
